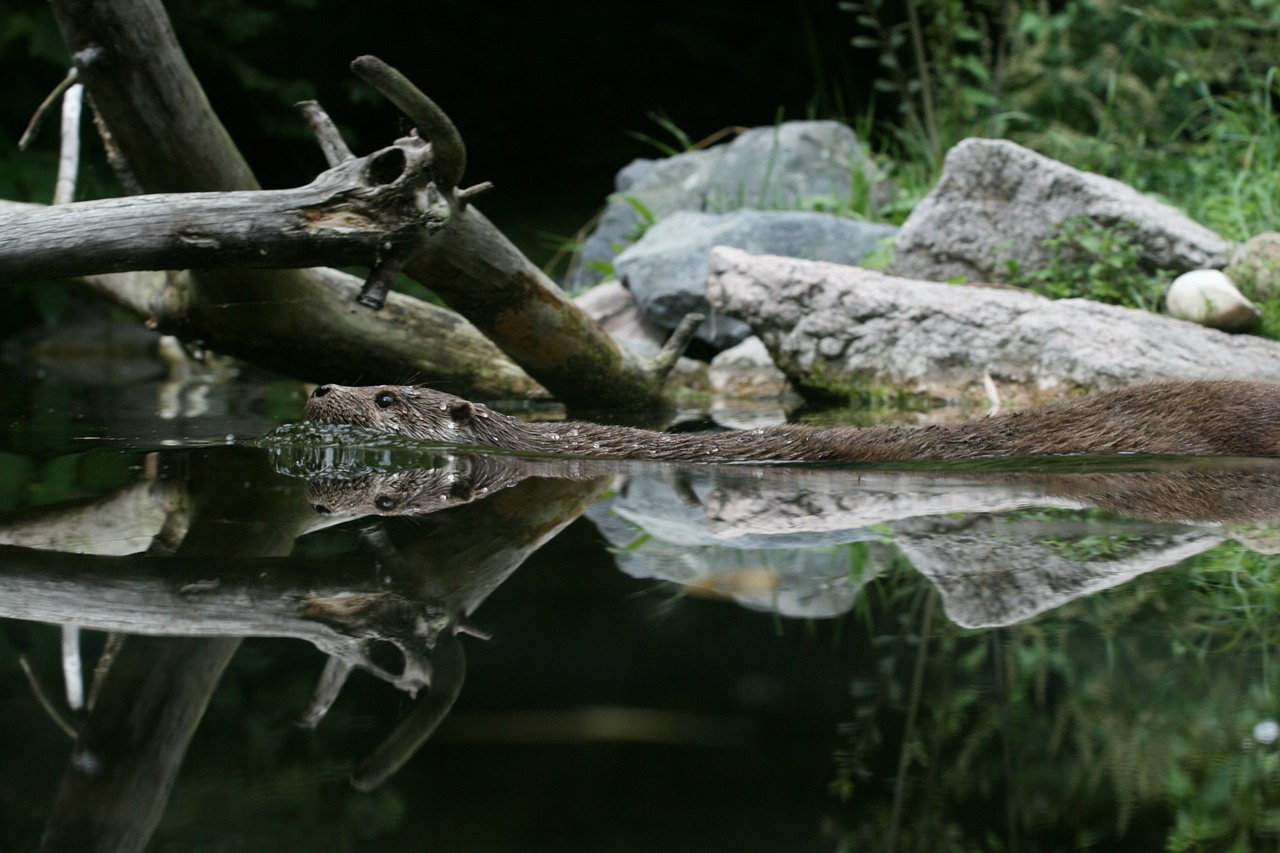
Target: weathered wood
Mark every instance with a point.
(343, 217)
(130, 61)
(301, 323)
(479, 273)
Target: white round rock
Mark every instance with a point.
(1209, 297)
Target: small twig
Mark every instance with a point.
(374, 537)
(327, 134)
(46, 107)
(662, 363)
(43, 700)
(64, 189)
(432, 122)
(336, 671)
(463, 197)
(72, 669)
(108, 657)
(993, 393)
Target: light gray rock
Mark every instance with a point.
(1255, 265)
(998, 201)
(837, 330)
(793, 165)
(614, 307)
(667, 269)
(746, 370)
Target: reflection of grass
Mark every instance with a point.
(1127, 714)
(1084, 549)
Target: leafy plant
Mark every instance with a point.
(1095, 261)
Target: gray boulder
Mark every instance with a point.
(1255, 265)
(800, 164)
(998, 201)
(837, 330)
(667, 270)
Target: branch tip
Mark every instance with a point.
(327, 134)
(432, 122)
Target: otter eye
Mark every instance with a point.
(384, 502)
(385, 400)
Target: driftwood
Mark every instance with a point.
(343, 217)
(296, 321)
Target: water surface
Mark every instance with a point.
(323, 641)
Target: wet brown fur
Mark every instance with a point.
(1194, 418)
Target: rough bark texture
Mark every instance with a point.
(173, 142)
(340, 218)
(479, 273)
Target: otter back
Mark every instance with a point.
(1194, 418)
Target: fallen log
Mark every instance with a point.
(160, 120)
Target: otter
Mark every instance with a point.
(1188, 418)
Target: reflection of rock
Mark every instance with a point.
(994, 571)
(792, 501)
(836, 330)
(658, 527)
(997, 200)
(816, 500)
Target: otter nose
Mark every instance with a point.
(322, 390)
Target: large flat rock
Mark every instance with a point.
(838, 330)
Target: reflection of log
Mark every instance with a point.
(124, 521)
(214, 597)
(130, 747)
(151, 697)
(412, 732)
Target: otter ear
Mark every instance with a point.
(462, 412)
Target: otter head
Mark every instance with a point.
(399, 409)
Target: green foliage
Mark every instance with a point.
(1175, 97)
(1095, 261)
(939, 61)
(683, 142)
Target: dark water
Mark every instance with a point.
(555, 655)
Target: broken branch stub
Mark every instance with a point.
(431, 121)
